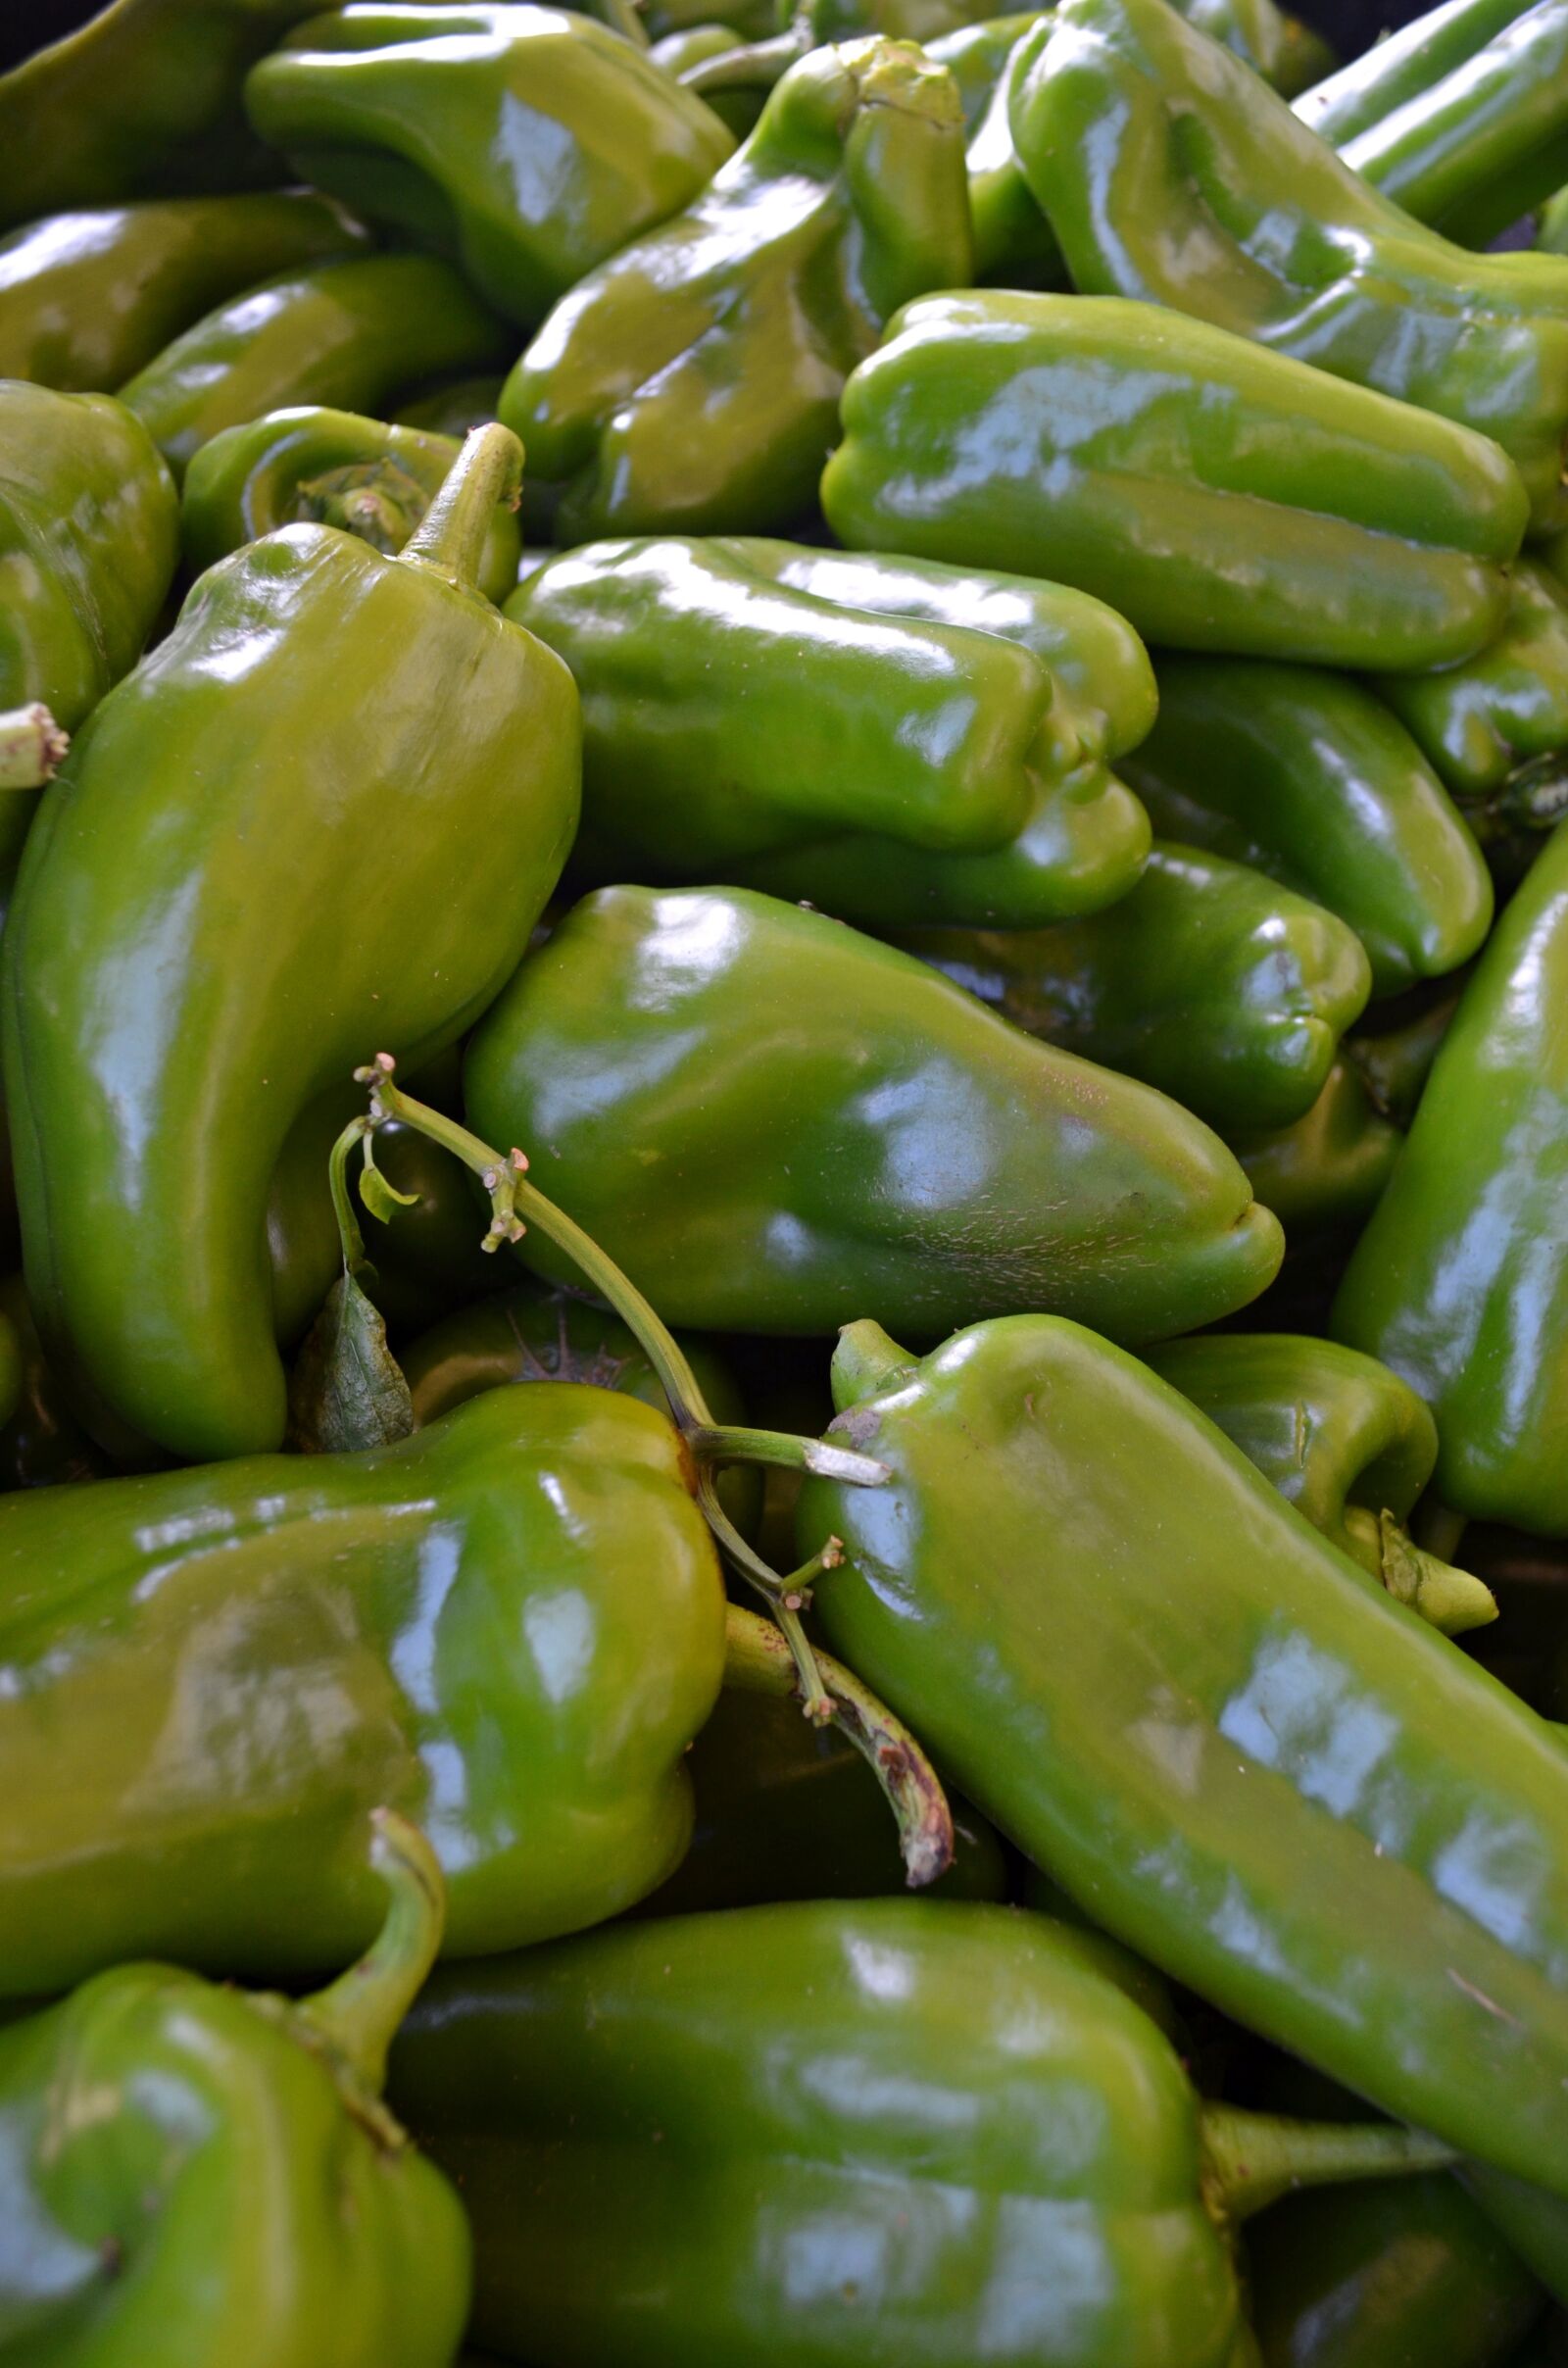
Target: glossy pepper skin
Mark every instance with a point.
(1344, 1439)
(1478, 723)
(88, 298)
(352, 335)
(369, 477)
(525, 143)
(1307, 775)
(168, 1019)
(878, 2131)
(1014, 245)
(1460, 1281)
(194, 2174)
(1459, 116)
(950, 732)
(508, 1626)
(692, 382)
(1261, 1772)
(1199, 191)
(1205, 980)
(1396, 2274)
(141, 101)
(767, 1118)
(1329, 1169)
(1220, 496)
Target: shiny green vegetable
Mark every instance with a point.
(770, 1121)
(354, 337)
(453, 408)
(692, 382)
(1222, 497)
(193, 2173)
(1479, 724)
(1205, 980)
(525, 143)
(1535, 2224)
(1282, 1787)
(1012, 242)
(1329, 1169)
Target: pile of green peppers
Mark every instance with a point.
(784, 1187)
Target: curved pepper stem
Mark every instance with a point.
(1447, 1597)
(376, 500)
(32, 748)
(758, 1661)
(450, 538)
(357, 2016)
(1251, 2159)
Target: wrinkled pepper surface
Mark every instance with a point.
(1460, 1281)
(525, 143)
(767, 1119)
(332, 468)
(508, 1626)
(949, 717)
(1262, 1773)
(1220, 496)
(1169, 176)
(354, 335)
(693, 382)
(1479, 724)
(193, 2173)
(821, 2134)
(187, 976)
(1205, 980)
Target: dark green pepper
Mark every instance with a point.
(1220, 496)
(41, 1442)
(452, 408)
(1307, 775)
(1014, 245)
(693, 381)
(947, 727)
(1249, 1764)
(510, 1626)
(1395, 1061)
(352, 335)
(1344, 1441)
(769, 1119)
(332, 469)
(812, 2134)
(1329, 1169)
(187, 976)
(88, 299)
(1535, 2224)
(525, 143)
(1205, 980)
(1167, 175)
(1460, 1281)
(1480, 724)
(193, 2173)
(1402, 64)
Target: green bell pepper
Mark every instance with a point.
(185, 976)
(354, 335)
(1014, 245)
(332, 468)
(1206, 980)
(1535, 2224)
(1220, 496)
(818, 2133)
(509, 1625)
(1386, 2275)
(1460, 1281)
(692, 382)
(141, 101)
(193, 2173)
(692, 45)
(1396, 1061)
(1243, 1760)
(1168, 174)
(1481, 723)
(1344, 1441)
(1330, 1167)
(1307, 775)
(525, 143)
(769, 1120)
(88, 299)
(1459, 116)
(947, 714)
(452, 408)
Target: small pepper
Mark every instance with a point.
(1205, 980)
(525, 143)
(196, 2174)
(768, 1119)
(1481, 723)
(354, 335)
(1220, 496)
(692, 382)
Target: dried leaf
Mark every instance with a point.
(347, 1390)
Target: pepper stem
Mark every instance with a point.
(1449, 1599)
(33, 747)
(450, 538)
(866, 1360)
(376, 500)
(758, 1661)
(1251, 2159)
(357, 2016)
